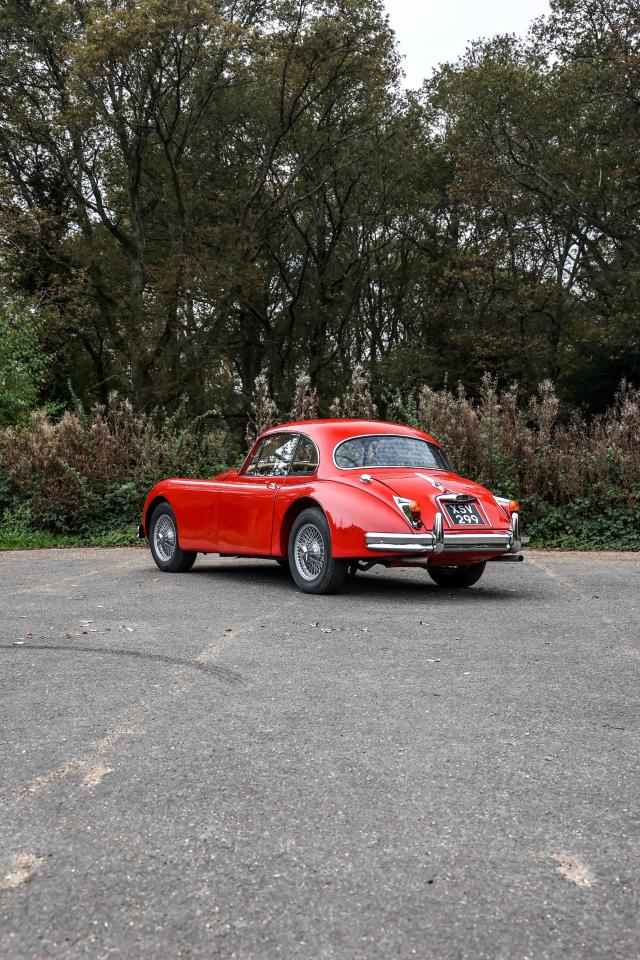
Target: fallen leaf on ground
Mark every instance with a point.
(572, 870)
(22, 869)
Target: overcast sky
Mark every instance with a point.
(432, 31)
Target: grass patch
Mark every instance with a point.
(35, 541)
(16, 533)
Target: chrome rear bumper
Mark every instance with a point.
(439, 541)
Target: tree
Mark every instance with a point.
(201, 193)
(23, 366)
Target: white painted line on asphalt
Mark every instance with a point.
(52, 586)
(75, 764)
(587, 598)
(132, 718)
(94, 775)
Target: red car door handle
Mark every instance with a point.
(273, 486)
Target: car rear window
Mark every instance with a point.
(389, 451)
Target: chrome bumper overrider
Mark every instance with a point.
(438, 540)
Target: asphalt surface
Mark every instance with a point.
(216, 765)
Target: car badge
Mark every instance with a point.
(434, 483)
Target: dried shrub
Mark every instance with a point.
(578, 479)
(263, 412)
(305, 399)
(89, 473)
(524, 451)
(357, 402)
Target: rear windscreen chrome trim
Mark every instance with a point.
(389, 466)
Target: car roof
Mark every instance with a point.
(336, 430)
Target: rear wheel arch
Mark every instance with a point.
(293, 511)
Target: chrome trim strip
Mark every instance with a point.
(516, 536)
(438, 541)
(477, 541)
(438, 533)
(402, 542)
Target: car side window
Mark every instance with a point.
(305, 460)
(273, 456)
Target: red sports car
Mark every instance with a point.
(329, 497)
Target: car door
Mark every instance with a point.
(245, 504)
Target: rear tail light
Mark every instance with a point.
(509, 506)
(411, 510)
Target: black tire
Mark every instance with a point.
(310, 551)
(165, 548)
(457, 577)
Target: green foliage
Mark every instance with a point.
(585, 525)
(578, 480)
(280, 204)
(23, 365)
(17, 533)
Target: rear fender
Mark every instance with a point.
(350, 511)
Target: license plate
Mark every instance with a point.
(464, 514)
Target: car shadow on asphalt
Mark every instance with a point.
(362, 585)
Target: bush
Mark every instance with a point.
(578, 481)
(87, 475)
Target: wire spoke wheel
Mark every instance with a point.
(164, 537)
(309, 552)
